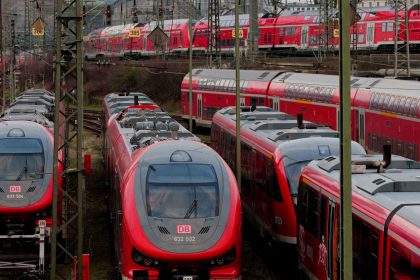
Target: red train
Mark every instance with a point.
(26, 164)
(274, 149)
(386, 219)
(374, 101)
(291, 31)
(175, 202)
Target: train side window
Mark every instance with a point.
(401, 105)
(373, 101)
(260, 169)
(396, 103)
(374, 142)
(407, 106)
(400, 148)
(414, 104)
(246, 160)
(303, 204)
(391, 103)
(362, 126)
(390, 27)
(381, 101)
(365, 250)
(218, 84)
(272, 183)
(403, 263)
(386, 102)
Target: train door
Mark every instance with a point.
(337, 126)
(304, 37)
(276, 104)
(199, 108)
(370, 34)
(361, 128)
(242, 101)
(331, 240)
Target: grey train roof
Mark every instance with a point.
(398, 184)
(401, 87)
(248, 75)
(141, 128)
(36, 105)
(277, 126)
(117, 95)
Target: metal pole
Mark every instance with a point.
(253, 29)
(345, 145)
(3, 76)
(80, 175)
(58, 98)
(69, 70)
(12, 61)
(190, 65)
(238, 96)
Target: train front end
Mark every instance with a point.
(182, 215)
(26, 184)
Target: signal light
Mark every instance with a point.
(108, 14)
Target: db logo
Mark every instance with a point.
(183, 229)
(15, 189)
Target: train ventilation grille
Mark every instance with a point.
(163, 230)
(330, 159)
(263, 75)
(204, 230)
(31, 189)
(1, 190)
(378, 181)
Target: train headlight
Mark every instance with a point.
(226, 259)
(144, 260)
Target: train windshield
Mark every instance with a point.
(182, 191)
(21, 159)
(293, 171)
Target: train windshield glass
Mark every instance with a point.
(182, 191)
(293, 172)
(21, 159)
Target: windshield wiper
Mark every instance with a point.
(192, 208)
(23, 171)
(36, 174)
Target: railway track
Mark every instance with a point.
(92, 121)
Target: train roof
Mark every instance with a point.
(391, 86)
(37, 91)
(37, 118)
(143, 127)
(167, 24)
(276, 127)
(398, 184)
(128, 95)
(248, 75)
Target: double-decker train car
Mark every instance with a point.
(274, 149)
(374, 101)
(386, 218)
(26, 189)
(216, 89)
(175, 202)
(391, 103)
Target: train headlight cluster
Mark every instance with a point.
(226, 259)
(144, 260)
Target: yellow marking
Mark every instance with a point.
(391, 115)
(303, 101)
